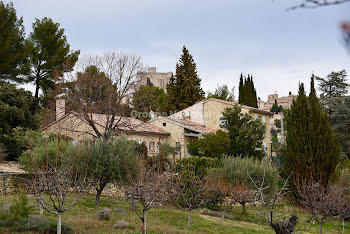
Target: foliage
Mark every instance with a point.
(245, 134)
(247, 92)
(275, 108)
(13, 47)
(242, 170)
(223, 93)
(277, 123)
(184, 88)
(162, 159)
(149, 98)
(15, 109)
(333, 89)
(312, 150)
(212, 145)
(111, 161)
(20, 208)
(50, 151)
(333, 85)
(198, 165)
(49, 51)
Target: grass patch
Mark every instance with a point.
(83, 218)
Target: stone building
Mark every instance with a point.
(157, 79)
(204, 117)
(285, 102)
(74, 126)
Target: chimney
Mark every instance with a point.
(60, 108)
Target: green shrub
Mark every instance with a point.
(239, 170)
(20, 208)
(198, 165)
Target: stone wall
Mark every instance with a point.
(10, 183)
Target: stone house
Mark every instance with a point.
(204, 117)
(74, 126)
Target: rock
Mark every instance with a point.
(121, 224)
(120, 210)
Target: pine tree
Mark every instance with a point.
(184, 89)
(312, 150)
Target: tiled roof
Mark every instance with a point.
(129, 124)
(124, 124)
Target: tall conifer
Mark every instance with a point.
(184, 89)
(247, 92)
(312, 150)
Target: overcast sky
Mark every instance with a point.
(225, 37)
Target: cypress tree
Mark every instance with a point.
(274, 108)
(247, 92)
(312, 151)
(241, 88)
(184, 89)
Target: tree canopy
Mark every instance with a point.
(149, 98)
(245, 133)
(184, 89)
(223, 93)
(49, 51)
(312, 150)
(15, 109)
(13, 46)
(247, 92)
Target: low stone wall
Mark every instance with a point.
(10, 183)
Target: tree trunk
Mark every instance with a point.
(144, 222)
(36, 97)
(343, 226)
(98, 194)
(243, 208)
(320, 228)
(223, 216)
(189, 218)
(59, 223)
(41, 207)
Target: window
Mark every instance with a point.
(263, 119)
(151, 146)
(256, 116)
(139, 141)
(164, 124)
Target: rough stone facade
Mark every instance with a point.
(285, 102)
(206, 114)
(157, 79)
(10, 183)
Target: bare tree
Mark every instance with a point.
(322, 201)
(242, 194)
(99, 93)
(317, 3)
(266, 205)
(52, 183)
(149, 189)
(192, 191)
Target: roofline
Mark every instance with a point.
(253, 109)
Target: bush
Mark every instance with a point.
(238, 170)
(212, 145)
(20, 208)
(197, 164)
(104, 214)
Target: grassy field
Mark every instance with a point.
(83, 218)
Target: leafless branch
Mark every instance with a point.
(317, 3)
